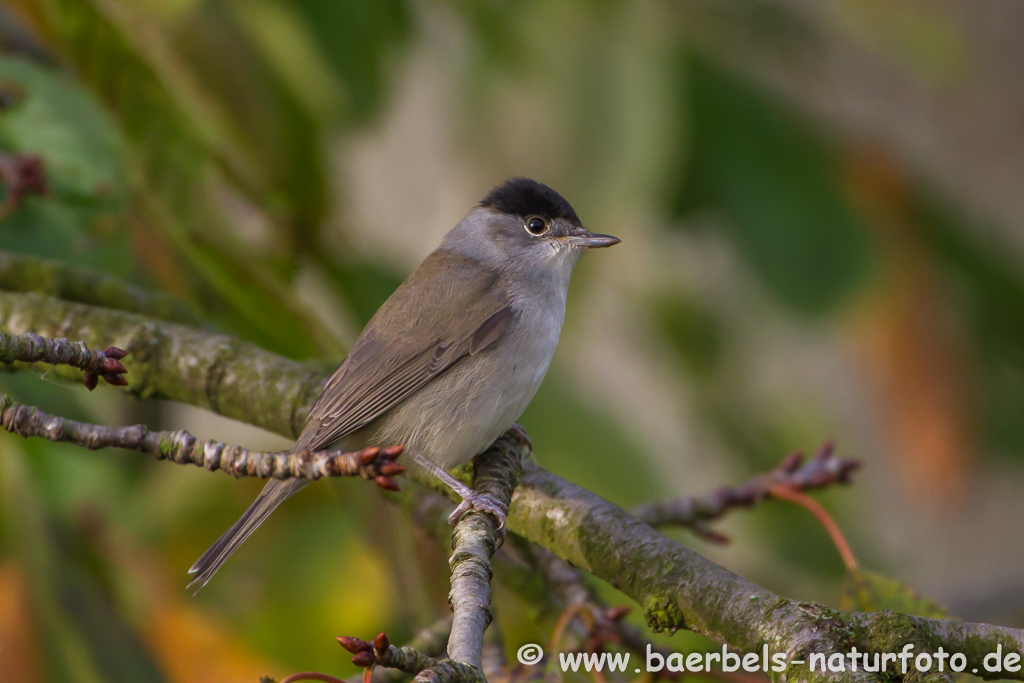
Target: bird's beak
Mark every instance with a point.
(590, 240)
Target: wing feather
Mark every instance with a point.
(461, 308)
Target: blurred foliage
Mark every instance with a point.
(191, 147)
(778, 183)
(990, 289)
(575, 432)
(46, 114)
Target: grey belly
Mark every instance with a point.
(462, 411)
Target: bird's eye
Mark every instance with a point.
(535, 225)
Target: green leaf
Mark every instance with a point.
(80, 218)
(693, 331)
(186, 149)
(235, 51)
(52, 116)
(358, 39)
(126, 60)
(776, 181)
(867, 591)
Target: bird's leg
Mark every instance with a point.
(471, 500)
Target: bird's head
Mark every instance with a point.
(527, 226)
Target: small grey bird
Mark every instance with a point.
(453, 357)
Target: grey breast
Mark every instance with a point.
(460, 413)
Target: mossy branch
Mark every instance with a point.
(218, 372)
(676, 587)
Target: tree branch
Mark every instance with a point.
(474, 541)
(823, 470)
(408, 660)
(427, 645)
(541, 579)
(218, 372)
(182, 448)
(675, 586)
(431, 642)
(31, 348)
(495, 474)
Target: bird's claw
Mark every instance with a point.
(481, 502)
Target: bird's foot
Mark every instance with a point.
(471, 500)
(481, 502)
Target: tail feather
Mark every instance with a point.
(273, 494)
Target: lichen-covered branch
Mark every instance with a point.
(474, 541)
(676, 587)
(24, 273)
(541, 579)
(218, 372)
(679, 588)
(32, 348)
(823, 470)
(180, 447)
(513, 562)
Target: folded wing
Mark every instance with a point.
(460, 308)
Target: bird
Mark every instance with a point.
(453, 357)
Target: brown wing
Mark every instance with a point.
(449, 307)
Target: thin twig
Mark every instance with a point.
(784, 492)
(33, 348)
(182, 448)
(312, 676)
(823, 470)
(409, 660)
(431, 641)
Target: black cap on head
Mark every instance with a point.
(525, 197)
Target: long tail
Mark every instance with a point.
(273, 494)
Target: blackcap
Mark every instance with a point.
(453, 357)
